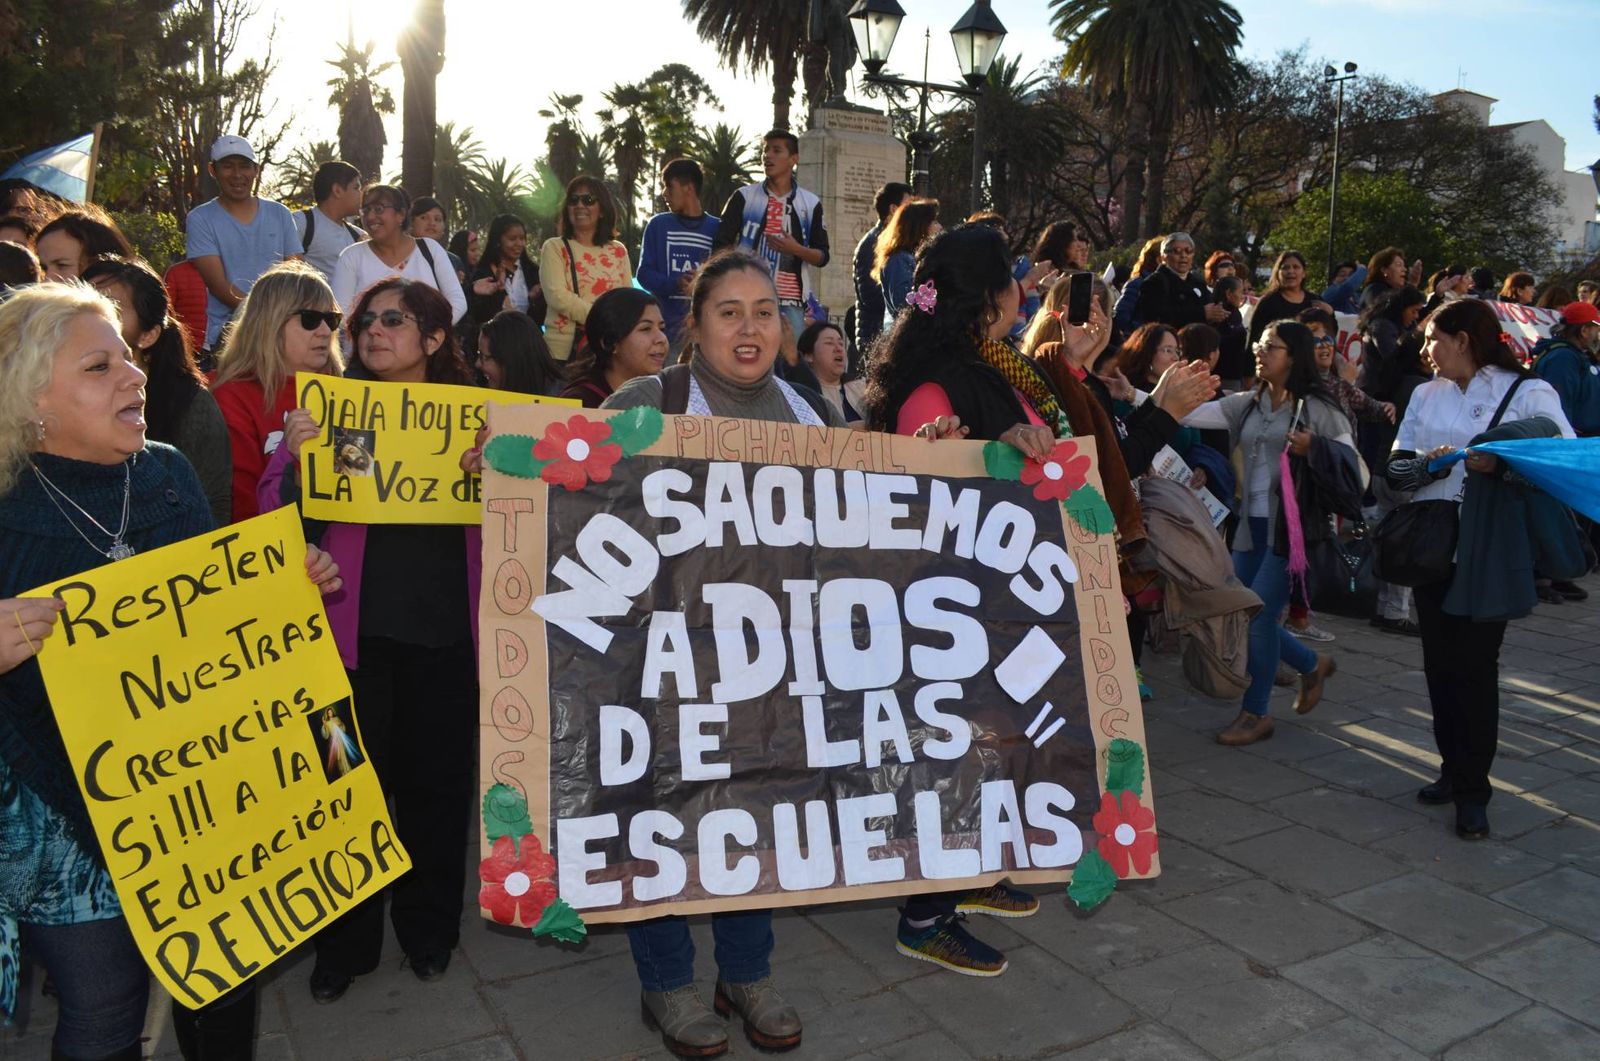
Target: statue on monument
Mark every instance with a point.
(829, 55)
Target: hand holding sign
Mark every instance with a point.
(24, 624)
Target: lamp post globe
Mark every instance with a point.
(875, 23)
(977, 36)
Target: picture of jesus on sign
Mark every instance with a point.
(340, 751)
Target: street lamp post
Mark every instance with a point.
(976, 36)
(1333, 77)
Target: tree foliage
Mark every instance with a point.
(758, 36)
(361, 102)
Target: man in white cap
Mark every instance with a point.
(237, 236)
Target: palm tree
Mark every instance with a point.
(561, 138)
(458, 170)
(361, 102)
(421, 58)
(727, 160)
(759, 35)
(1153, 62)
(502, 189)
(1023, 133)
(295, 174)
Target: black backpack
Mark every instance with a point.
(311, 227)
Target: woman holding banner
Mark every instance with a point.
(1480, 386)
(735, 341)
(288, 323)
(404, 626)
(74, 464)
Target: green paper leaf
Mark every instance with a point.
(636, 429)
(1002, 461)
(1089, 510)
(1125, 767)
(513, 455)
(1093, 881)
(505, 813)
(561, 922)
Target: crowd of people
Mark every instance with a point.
(182, 387)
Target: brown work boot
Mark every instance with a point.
(1246, 729)
(688, 1028)
(1311, 684)
(769, 1021)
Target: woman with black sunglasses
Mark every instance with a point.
(288, 323)
(580, 264)
(403, 624)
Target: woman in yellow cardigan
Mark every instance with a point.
(582, 263)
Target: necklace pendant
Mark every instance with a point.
(120, 550)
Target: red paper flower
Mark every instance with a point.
(1060, 474)
(517, 885)
(578, 453)
(1125, 833)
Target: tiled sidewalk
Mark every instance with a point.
(1309, 908)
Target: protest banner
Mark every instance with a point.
(391, 452)
(1523, 325)
(209, 723)
(729, 664)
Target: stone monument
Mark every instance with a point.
(846, 155)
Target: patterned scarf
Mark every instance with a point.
(1021, 374)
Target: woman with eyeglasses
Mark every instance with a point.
(178, 408)
(1288, 410)
(288, 323)
(505, 277)
(581, 263)
(392, 251)
(626, 337)
(512, 356)
(404, 626)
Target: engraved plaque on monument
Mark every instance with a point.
(845, 156)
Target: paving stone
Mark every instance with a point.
(1294, 740)
(1358, 819)
(1170, 743)
(1539, 681)
(1535, 1034)
(929, 1046)
(1039, 1006)
(1516, 774)
(1143, 1042)
(845, 1012)
(498, 953)
(1166, 783)
(1115, 935)
(1254, 916)
(1528, 739)
(1580, 758)
(1574, 795)
(1208, 820)
(1308, 861)
(1440, 916)
(1368, 772)
(1510, 814)
(1244, 777)
(1484, 866)
(1220, 1002)
(1185, 870)
(1534, 708)
(492, 1048)
(1573, 841)
(1342, 1040)
(1412, 994)
(1403, 740)
(1559, 969)
(1565, 897)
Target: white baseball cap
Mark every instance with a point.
(229, 145)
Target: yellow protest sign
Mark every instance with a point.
(209, 722)
(391, 452)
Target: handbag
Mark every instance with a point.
(1415, 544)
(1340, 578)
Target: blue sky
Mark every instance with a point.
(498, 72)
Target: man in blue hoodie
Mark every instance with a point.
(1570, 362)
(675, 243)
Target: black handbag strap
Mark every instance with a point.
(572, 263)
(1505, 403)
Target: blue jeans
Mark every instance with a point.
(1267, 573)
(663, 950)
(101, 980)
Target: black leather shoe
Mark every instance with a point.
(429, 965)
(1570, 591)
(329, 986)
(1438, 793)
(1472, 821)
(1407, 627)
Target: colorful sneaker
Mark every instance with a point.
(998, 900)
(1308, 632)
(947, 943)
(1145, 692)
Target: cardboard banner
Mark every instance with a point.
(732, 664)
(209, 723)
(391, 452)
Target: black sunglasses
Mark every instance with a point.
(310, 318)
(581, 198)
(389, 318)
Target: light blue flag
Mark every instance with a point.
(1568, 469)
(62, 169)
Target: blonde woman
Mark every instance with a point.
(80, 487)
(288, 323)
